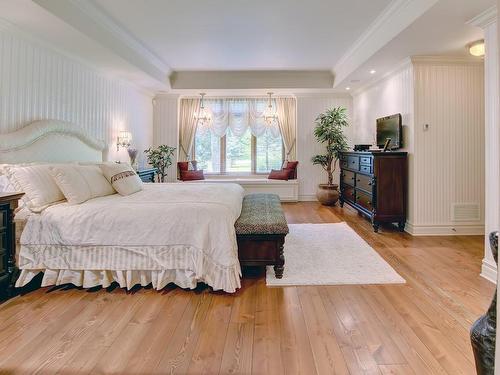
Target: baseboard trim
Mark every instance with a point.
(489, 271)
(307, 198)
(444, 230)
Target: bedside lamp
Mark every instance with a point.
(124, 139)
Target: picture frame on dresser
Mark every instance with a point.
(374, 183)
(8, 268)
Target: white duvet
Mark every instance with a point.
(181, 233)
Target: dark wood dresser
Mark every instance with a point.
(147, 175)
(8, 270)
(375, 184)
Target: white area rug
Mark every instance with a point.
(330, 254)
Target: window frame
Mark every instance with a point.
(253, 156)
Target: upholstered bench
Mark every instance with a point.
(260, 232)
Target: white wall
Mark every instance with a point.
(449, 156)
(446, 162)
(37, 83)
(392, 94)
(165, 127)
(309, 106)
(492, 149)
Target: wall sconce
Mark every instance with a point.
(124, 139)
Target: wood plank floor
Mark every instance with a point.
(417, 328)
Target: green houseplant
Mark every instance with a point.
(329, 132)
(160, 158)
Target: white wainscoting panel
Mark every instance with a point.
(449, 155)
(492, 151)
(37, 83)
(309, 106)
(165, 127)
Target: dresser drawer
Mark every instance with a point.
(366, 169)
(348, 177)
(353, 162)
(364, 182)
(365, 160)
(364, 200)
(348, 194)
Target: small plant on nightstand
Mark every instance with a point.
(160, 158)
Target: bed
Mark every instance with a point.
(165, 233)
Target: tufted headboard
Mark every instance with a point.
(49, 141)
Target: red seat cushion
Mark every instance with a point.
(292, 165)
(282, 174)
(192, 175)
(183, 165)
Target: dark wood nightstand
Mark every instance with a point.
(8, 269)
(147, 175)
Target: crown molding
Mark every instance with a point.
(35, 40)
(99, 15)
(447, 60)
(393, 19)
(94, 23)
(484, 19)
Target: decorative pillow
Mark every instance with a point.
(292, 165)
(79, 183)
(37, 183)
(282, 174)
(122, 177)
(192, 175)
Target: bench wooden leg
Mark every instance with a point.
(279, 266)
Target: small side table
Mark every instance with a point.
(8, 269)
(147, 175)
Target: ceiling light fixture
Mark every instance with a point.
(204, 115)
(269, 114)
(477, 48)
(347, 88)
(373, 71)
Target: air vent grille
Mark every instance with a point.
(466, 212)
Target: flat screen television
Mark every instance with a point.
(390, 127)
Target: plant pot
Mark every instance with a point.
(328, 195)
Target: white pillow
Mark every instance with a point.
(80, 183)
(37, 183)
(122, 177)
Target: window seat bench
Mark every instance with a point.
(288, 191)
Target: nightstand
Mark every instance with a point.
(147, 175)
(8, 269)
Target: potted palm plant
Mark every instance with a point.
(160, 158)
(329, 132)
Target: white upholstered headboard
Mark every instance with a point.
(49, 141)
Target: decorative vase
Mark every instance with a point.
(328, 195)
(483, 331)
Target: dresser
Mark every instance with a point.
(8, 271)
(375, 184)
(147, 175)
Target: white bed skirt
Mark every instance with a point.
(126, 279)
(100, 266)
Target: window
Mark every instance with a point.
(238, 142)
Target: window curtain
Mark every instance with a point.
(239, 114)
(287, 121)
(188, 109)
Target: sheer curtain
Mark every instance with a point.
(188, 109)
(286, 110)
(239, 114)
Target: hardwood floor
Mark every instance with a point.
(417, 328)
